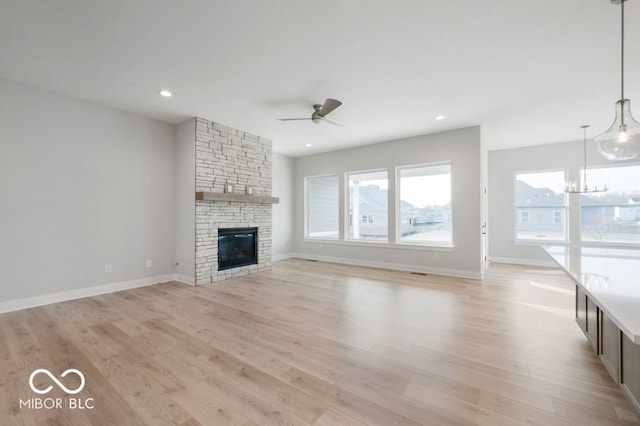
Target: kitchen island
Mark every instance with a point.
(608, 307)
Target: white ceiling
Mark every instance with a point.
(529, 72)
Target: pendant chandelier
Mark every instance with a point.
(573, 187)
(622, 140)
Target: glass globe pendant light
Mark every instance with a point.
(622, 140)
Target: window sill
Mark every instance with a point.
(402, 246)
(611, 244)
(595, 244)
(540, 242)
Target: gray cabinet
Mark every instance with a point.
(610, 346)
(581, 309)
(630, 370)
(587, 317)
(592, 324)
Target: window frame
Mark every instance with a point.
(521, 216)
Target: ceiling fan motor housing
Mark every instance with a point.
(316, 117)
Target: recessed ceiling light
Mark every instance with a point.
(307, 145)
(165, 93)
(439, 117)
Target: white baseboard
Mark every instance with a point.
(47, 299)
(185, 279)
(526, 262)
(394, 266)
(277, 257)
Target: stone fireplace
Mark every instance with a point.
(227, 157)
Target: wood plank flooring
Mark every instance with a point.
(312, 343)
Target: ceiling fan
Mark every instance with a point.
(320, 112)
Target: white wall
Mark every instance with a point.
(461, 147)
(185, 160)
(283, 244)
(81, 186)
(503, 165)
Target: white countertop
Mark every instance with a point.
(610, 277)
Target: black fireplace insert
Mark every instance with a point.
(237, 247)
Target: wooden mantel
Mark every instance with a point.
(236, 198)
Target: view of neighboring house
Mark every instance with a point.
(540, 214)
(539, 210)
(372, 215)
(629, 212)
(371, 221)
(610, 216)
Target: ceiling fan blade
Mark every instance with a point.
(335, 123)
(329, 105)
(293, 119)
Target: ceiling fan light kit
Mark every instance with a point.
(622, 140)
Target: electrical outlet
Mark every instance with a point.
(149, 263)
(107, 268)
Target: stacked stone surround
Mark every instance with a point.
(228, 156)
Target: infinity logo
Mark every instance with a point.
(57, 382)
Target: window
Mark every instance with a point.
(523, 216)
(322, 214)
(424, 209)
(612, 216)
(366, 218)
(368, 199)
(540, 206)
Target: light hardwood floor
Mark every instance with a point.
(317, 343)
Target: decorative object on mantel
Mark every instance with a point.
(573, 187)
(236, 198)
(622, 140)
(228, 188)
(248, 190)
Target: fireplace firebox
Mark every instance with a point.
(237, 247)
